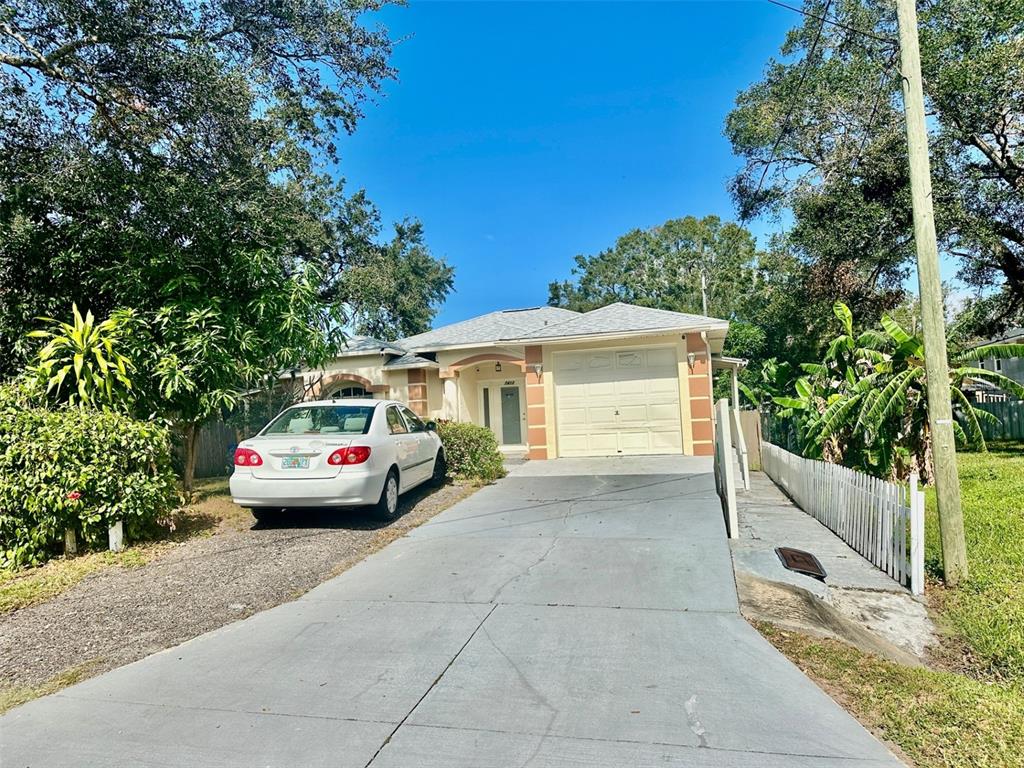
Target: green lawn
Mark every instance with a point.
(987, 612)
(938, 719)
(968, 712)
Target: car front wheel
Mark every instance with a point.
(386, 508)
(440, 470)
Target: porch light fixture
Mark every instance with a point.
(497, 367)
(537, 369)
(691, 358)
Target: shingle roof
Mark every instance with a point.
(355, 345)
(623, 318)
(409, 360)
(1010, 335)
(489, 328)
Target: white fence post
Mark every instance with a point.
(724, 468)
(115, 535)
(873, 516)
(741, 447)
(916, 537)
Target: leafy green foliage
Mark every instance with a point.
(76, 468)
(988, 612)
(164, 162)
(471, 451)
(83, 354)
(762, 293)
(662, 266)
(865, 404)
(822, 136)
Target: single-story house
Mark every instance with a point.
(548, 381)
(1011, 367)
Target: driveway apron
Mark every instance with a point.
(576, 613)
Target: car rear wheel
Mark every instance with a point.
(386, 508)
(266, 514)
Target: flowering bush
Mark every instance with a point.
(471, 451)
(76, 468)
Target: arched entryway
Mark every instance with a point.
(492, 388)
(343, 385)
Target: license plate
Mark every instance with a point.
(295, 462)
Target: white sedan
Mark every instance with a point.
(337, 453)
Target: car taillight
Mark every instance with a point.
(355, 454)
(247, 457)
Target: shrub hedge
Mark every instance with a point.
(77, 468)
(471, 451)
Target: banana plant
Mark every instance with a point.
(80, 363)
(866, 403)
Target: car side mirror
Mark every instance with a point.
(432, 426)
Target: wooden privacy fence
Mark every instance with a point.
(882, 521)
(1011, 420)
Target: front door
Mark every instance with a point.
(511, 429)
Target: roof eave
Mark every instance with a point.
(568, 339)
(408, 366)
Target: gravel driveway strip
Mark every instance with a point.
(119, 615)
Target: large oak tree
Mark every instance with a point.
(167, 157)
(822, 136)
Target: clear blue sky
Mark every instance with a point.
(523, 133)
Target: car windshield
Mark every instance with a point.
(322, 420)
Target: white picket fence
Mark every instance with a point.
(725, 476)
(882, 521)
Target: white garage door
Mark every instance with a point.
(620, 401)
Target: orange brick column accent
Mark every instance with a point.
(536, 431)
(701, 425)
(418, 391)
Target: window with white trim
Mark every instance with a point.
(350, 390)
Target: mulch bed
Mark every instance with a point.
(118, 615)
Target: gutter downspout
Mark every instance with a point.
(711, 379)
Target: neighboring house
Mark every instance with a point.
(1011, 367)
(621, 379)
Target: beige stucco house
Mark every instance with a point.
(548, 381)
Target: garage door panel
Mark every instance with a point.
(600, 388)
(572, 417)
(657, 358)
(665, 386)
(636, 413)
(617, 402)
(629, 359)
(633, 388)
(664, 413)
(601, 416)
(666, 442)
(634, 442)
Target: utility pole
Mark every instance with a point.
(933, 323)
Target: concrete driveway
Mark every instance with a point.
(577, 613)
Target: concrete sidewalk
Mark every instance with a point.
(576, 613)
(855, 587)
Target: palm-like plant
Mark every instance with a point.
(865, 405)
(84, 355)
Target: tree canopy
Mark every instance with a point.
(760, 291)
(168, 166)
(168, 158)
(822, 136)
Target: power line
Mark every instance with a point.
(799, 87)
(834, 22)
(874, 109)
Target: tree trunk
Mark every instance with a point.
(190, 435)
